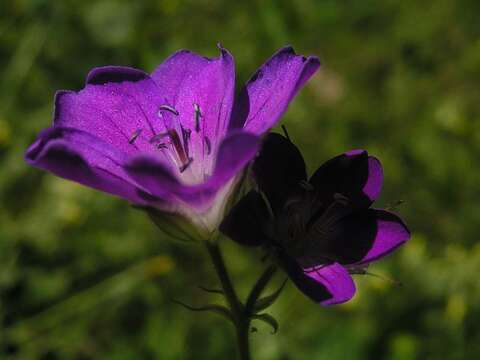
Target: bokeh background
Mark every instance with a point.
(85, 276)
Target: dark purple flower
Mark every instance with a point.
(320, 231)
(176, 139)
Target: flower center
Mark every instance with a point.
(176, 140)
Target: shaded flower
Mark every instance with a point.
(174, 140)
(319, 231)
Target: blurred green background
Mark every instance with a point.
(85, 276)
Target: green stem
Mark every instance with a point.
(241, 314)
(241, 318)
(222, 273)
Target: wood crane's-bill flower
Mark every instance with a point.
(322, 230)
(175, 140)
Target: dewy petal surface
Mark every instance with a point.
(201, 90)
(354, 174)
(326, 284)
(278, 169)
(79, 156)
(267, 94)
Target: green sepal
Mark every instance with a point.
(239, 190)
(266, 301)
(268, 319)
(175, 226)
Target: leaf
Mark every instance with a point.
(268, 319)
(218, 309)
(211, 291)
(265, 302)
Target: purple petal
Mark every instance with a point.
(354, 174)
(267, 94)
(201, 90)
(118, 104)
(278, 169)
(359, 237)
(81, 157)
(325, 284)
(247, 220)
(236, 150)
(391, 233)
(373, 185)
(114, 74)
(154, 175)
(336, 279)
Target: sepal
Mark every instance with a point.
(177, 226)
(266, 301)
(268, 319)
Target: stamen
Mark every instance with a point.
(181, 150)
(186, 138)
(337, 210)
(169, 109)
(186, 165)
(284, 128)
(198, 115)
(207, 144)
(134, 136)
(177, 144)
(362, 270)
(158, 137)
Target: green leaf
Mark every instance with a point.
(211, 291)
(265, 302)
(268, 319)
(218, 309)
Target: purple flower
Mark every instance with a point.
(320, 231)
(175, 140)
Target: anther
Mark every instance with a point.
(207, 144)
(134, 136)
(169, 109)
(158, 137)
(186, 138)
(186, 165)
(198, 115)
(177, 144)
